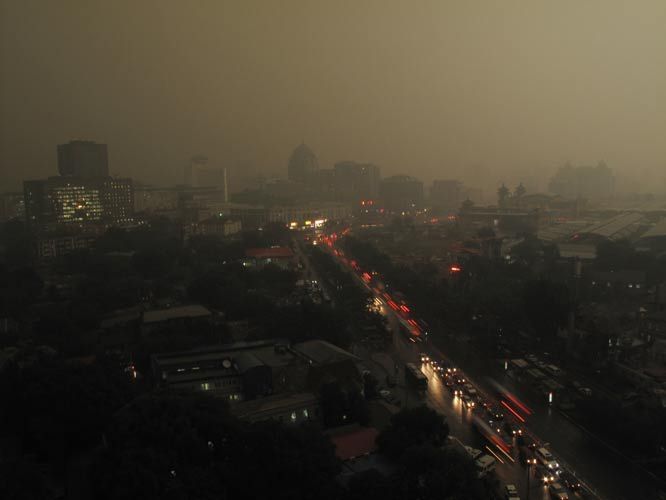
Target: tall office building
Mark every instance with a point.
(198, 174)
(303, 165)
(77, 200)
(83, 159)
(355, 182)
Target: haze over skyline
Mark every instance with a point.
(425, 89)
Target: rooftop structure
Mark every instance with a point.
(320, 352)
(617, 228)
(176, 313)
(355, 443)
(270, 253)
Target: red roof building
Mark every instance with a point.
(356, 443)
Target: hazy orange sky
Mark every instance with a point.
(484, 90)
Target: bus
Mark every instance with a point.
(415, 377)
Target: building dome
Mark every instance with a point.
(302, 164)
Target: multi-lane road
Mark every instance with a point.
(603, 473)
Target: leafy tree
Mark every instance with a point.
(412, 427)
(546, 306)
(370, 386)
(188, 446)
(342, 406)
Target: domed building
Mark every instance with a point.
(302, 165)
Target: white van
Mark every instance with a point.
(546, 458)
(485, 464)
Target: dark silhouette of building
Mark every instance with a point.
(83, 159)
(583, 182)
(401, 193)
(355, 182)
(198, 174)
(303, 165)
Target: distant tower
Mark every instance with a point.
(302, 165)
(198, 175)
(502, 195)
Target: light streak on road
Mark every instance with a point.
(497, 457)
(513, 412)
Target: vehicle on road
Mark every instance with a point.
(415, 377)
(495, 413)
(473, 452)
(557, 491)
(512, 429)
(511, 492)
(485, 464)
(546, 458)
(468, 402)
(545, 475)
(570, 481)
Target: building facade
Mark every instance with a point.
(198, 174)
(78, 200)
(355, 182)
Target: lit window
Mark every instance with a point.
(293, 416)
(305, 413)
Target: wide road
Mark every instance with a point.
(610, 475)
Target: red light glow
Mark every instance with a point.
(513, 412)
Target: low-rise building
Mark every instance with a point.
(50, 247)
(250, 370)
(259, 257)
(178, 316)
(288, 408)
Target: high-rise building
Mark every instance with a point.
(198, 174)
(83, 159)
(583, 182)
(76, 200)
(355, 182)
(401, 193)
(302, 165)
(12, 205)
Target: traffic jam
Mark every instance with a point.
(501, 418)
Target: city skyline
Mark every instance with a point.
(434, 92)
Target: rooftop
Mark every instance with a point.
(322, 352)
(355, 443)
(191, 311)
(269, 253)
(656, 231)
(270, 404)
(267, 352)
